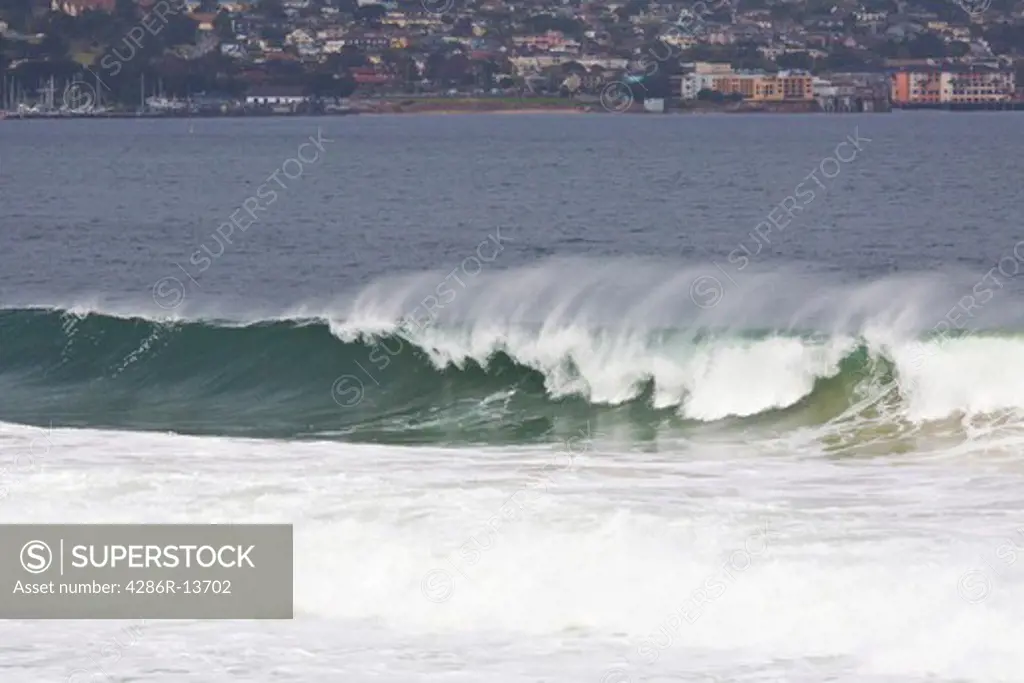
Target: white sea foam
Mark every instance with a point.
(840, 570)
(603, 329)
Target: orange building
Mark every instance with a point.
(899, 88)
(935, 86)
(734, 84)
(918, 87)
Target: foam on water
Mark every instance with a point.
(729, 555)
(601, 330)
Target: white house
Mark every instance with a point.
(271, 95)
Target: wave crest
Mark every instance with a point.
(519, 352)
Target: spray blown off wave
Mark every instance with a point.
(518, 356)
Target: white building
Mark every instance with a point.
(823, 88)
(275, 95)
(694, 83)
(702, 77)
(656, 106)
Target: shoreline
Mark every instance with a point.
(451, 111)
(429, 105)
(456, 110)
(506, 106)
(479, 108)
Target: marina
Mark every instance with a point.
(79, 99)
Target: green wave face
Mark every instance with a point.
(296, 379)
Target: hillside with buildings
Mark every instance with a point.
(311, 55)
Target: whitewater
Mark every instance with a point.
(589, 560)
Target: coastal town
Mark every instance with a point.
(267, 57)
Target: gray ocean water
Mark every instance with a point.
(108, 206)
(761, 379)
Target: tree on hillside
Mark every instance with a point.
(787, 12)
(747, 56)
(399, 63)
(795, 60)
(17, 13)
(350, 57)
(370, 14)
(708, 95)
(274, 35)
(845, 59)
(631, 9)
(1005, 38)
(463, 27)
(542, 23)
(323, 85)
(126, 11)
(272, 9)
(224, 27)
(54, 46)
(921, 46)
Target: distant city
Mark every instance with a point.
(181, 57)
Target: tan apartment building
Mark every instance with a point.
(758, 87)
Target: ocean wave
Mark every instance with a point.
(281, 378)
(518, 353)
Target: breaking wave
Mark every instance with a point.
(520, 355)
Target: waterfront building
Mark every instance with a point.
(971, 85)
(754, 86)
